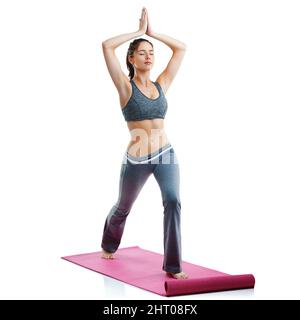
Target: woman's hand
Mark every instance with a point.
(143, 21)
(149, 30)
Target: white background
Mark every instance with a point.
(233, 120)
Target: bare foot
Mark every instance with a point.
(106, 255)
(179, 275)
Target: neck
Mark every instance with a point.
(143, 79)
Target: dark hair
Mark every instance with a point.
(132, 47)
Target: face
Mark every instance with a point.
(144, 53)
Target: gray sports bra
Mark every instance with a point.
(140, 107)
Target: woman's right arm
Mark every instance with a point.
(108, 46)
(112, 61)
(113, 43)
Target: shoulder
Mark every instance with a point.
(162, 83)
(125, 92)
(158, 84)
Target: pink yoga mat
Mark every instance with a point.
(143, 269)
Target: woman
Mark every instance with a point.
(144, 106)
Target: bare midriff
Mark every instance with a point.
(147, 136)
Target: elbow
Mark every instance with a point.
(181, 47)
(104, 45)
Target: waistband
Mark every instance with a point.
(150, 156)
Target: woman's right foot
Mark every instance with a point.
(107, 255)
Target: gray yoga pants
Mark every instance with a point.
(134, 173)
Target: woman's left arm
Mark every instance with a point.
(171, 42)
(167, 76)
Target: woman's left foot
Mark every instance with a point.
(179, 275)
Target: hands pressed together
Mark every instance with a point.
(145, 26)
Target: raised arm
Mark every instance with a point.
(179, 48)
(108, 46)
